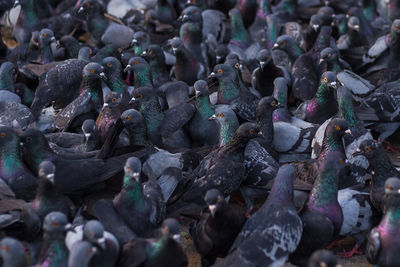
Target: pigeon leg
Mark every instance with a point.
(334, 244)
(237, 199)
(390, 148)
(350, 253)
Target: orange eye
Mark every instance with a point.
(128, 118)
(142, 37)
(90, 51)
(389, 187)
(338, 128)
(325, 79)
(114, 99)
(136, 62)
(45, 35)
(219, 198)
(396, 26)
(140, 95)
(119, 50)
(251, 131)
(92, 71)
(150, 51)
(3, 134)
(55, 224)
(5, 248)
(220, 71)
(283, 42)
(128, 168)
(340, 160)
(273, 103)
(221, 115)
(109, 65)
(368, 149)
(237, 65)
(326, 13)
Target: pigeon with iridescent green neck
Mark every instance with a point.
(353, 38)
(260, 20)
(8, 74)
(322, 215)
(97, 23)
(141, 71)
(113, 70)
(381, 169)
(54, 252)
(48, 197)
(201, 129)
(156, 58)
(135, 124)
(333, 60)
(383, 241)
(289, 46)
(13, 170)
(156, 252)
(46, 37)
(228, 123)
(90, 99)
(141, 205)
(239, 36)
(323, 105)
(140, 42)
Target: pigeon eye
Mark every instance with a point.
(396, 26)
(283, 42)
(140, 95)
(92, 71)
(329, 55)
(251, 131)
(114, 99)
(220, 71)
(389, 187)
(55, 224)
(136, 62)
(28, 139)
(273, 103)
(45, 35)
(5, 248)
(340, 160)
(127, 168)
(109, 65)
(237, 65)
(325, 79)
(221, 115)
(3, 134)
(219, 198)
(368, 149)
(128, 118)
(338, 128)
(142, 37)
(326, 13)
(150, 51)
(119, 50)
(90, 51)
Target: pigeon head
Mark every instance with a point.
(337, 127)
(89, 6)
(34, 142)
(264, 57)
(142, 93)
(132, 168)
(132, 117)
(191, 13)
(233, 61)
(56, 223)
(227, 121)
(353, 11)
(46, 36)
(152, 52)
(112, 67)
(85, 53)
(47, 170)
(94, 232)
(140, 40)
(315, 22)
(170, 227)
(8, 75)
(214, 199)
(354, 23)
(8, 137)
(93, 71)
(370, 149)
(136, 64)
(323, 258)
(328, 55)
(326, 13)
(267, 104)
(285, 43)
(201, 88)
(12, 252)
(392, 186)
(176, 44)
(222, 70)
(221, 52)
(247, 131)
(328, 78)
(88, 127)
(396, 26)
(112, 100)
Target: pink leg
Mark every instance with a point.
(350, 253)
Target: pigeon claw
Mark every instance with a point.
(351, 253)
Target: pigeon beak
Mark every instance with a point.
(348, 131)
(333, 85)
(134, 42)
(81, 10)
(357, 27)
(212, 75)
(58, 46)
(132, 100)
(174, 49)
(102, 242)
(127, 68)
(358, 152)
(260, 133)
(50, 177)
(136, 175)
(105, 105)
(16, 3)
(213, 209)
(144, 53)
(213, 117)
(218, 58)
(87, 135)
(280, 105)
(103, 76)
(177, 238)
(197, 93)
(276, 45)
(185, 18)
(333, 16)
(321, 60)
(262, 64)
(53, 39)
(315, 27)
(347, 16)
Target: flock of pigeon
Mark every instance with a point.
(116, 130)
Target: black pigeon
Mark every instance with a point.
(214, 234)
(273, 232)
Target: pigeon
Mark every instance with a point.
(214, 234)
(323, 257)
(276, 218)
(381, 248)
(228, 123)
(13, 253)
